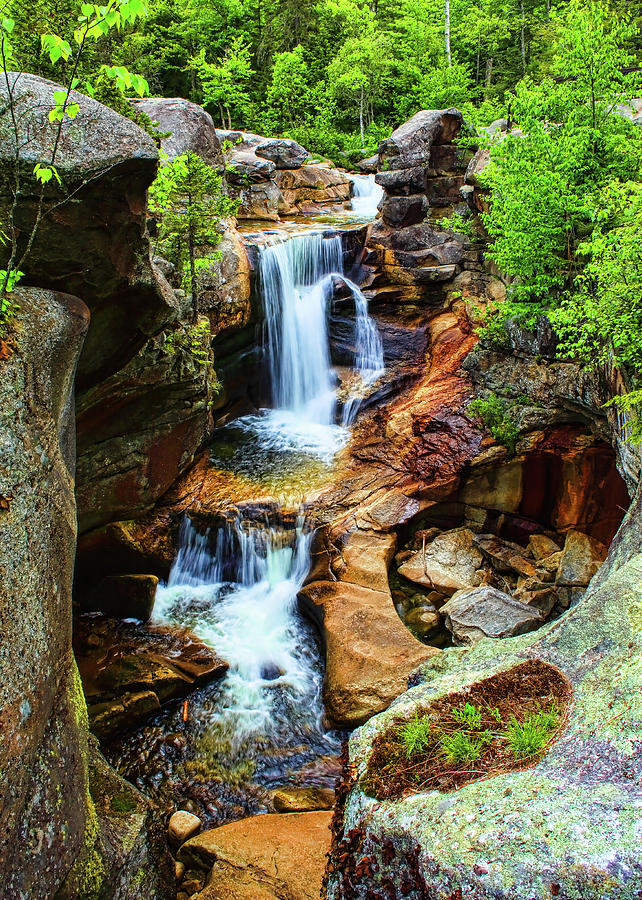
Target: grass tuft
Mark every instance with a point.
(528, 738)
(415, 735)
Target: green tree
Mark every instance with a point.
(224, 84)
(189, 201)
(357, 75)
(571, 143)
(289, 98)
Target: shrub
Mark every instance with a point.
(497, 415)
(461, 747)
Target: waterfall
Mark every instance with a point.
(367, 195)
(369, 362)
(295, 294)
(236, 589)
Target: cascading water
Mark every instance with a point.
(367, 195)
(297, 284)
(369, 362)
(241, 599)
(261, 725)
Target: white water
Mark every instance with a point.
(367, 195)
(296, 284)
(241, 600)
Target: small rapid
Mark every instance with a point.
(367, 195)
(236, 589)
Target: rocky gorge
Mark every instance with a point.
(315, 534)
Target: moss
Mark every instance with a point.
(123, 803)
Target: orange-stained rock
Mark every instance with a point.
(369, 651)
(267, 857)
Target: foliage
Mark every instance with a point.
(570, 143)
(94, 23)
(195, 340)
(468, 715)
(109, 89)
(224, 85)
(530, 737)
(498, 416)
(189, 201)
(458, 224)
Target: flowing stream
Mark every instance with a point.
(367, 195)
(235, 587)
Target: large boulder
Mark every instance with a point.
(58, 824)
(487, 612)
(568, 825)
(95, 245)
(308, 188)
(412, 143)
(581, 557)
(369, 652)
(284, 153)
(187, 126)
(262, 858)
(447, 564)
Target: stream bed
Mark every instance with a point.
(235, 585)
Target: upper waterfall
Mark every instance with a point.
(367, 195)
(295, 290)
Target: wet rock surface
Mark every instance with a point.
(128, 671)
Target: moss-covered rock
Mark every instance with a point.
(568, 827)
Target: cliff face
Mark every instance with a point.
(70, 826)
(44, 747)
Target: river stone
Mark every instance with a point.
(284, 153)
(190, 126)
(267, 857)
(487, 612)
(123, 596)
(302, 799)
(581, 557)
(542, 546)
(182, 826)
(448, 564)
(423, 620)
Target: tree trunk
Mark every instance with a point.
(489, 77)
(222, 112)
(523, 37)
(361, 129)
(447, 32)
